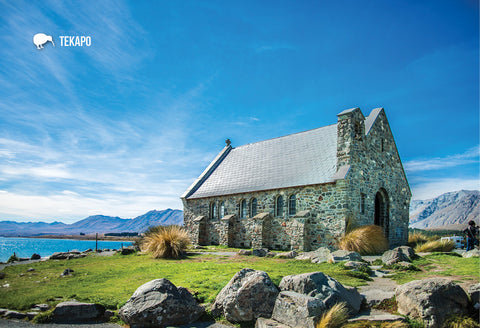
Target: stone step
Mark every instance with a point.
(376, 315)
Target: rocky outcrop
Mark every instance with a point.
(342, 255)
(319, 255)
(287, 255)
(66, 255)
(35, 256)
(76, 312)
(260, 252)
(297, 310)
(250, 294)
(323, 287)
(160, 303)
(431, 300)
(474, 294)
(399, 254)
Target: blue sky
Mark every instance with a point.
(125, 126)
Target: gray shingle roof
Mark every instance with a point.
(295, 160)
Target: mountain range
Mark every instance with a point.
(93, 224)
(452, 210)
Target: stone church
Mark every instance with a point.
(300, 191)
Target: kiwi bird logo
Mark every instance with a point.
(40, 39)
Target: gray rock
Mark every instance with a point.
(342, 255)
(3, 311)
(40, 307)
(320, 255)
(30, 269)
(245, 252)
(431, 300)
(298, 310)
(260, 252)
(66, 255)
(472, 253)
(323, 287)
(76, 312)
(2, 275)
(67, 272)
(270, 254)
(269, 323)
(355, 265)
(31, 314)
(128, 250)
(250, 294)
(474, 293)
(159, 303)
(14, 315)
(399, 254)
(35, 256)
(287, 255)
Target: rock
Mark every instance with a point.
(30, 269)
(67, 272)
(260, 252)
(14, 315)
(40, 307)
(107, 315)
(269, 323)
(472, 253)
(287, 255)
(327, 289)
(431, 300)
(355, 265)
(32, 314)
(405, 265)
(77, 312)
(320, 255)
(399, 254)
(127, 250)
(3, 311)
(342, 255)
(297, 310)
(159, 303)
(270, 254)
(474, 293)
(35, 256)
(88, 250)
(245, 252)
(66, 255)
(198, 247)
(2, 275)
(250, 294)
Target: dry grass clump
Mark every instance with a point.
(416, 238)
(461, 322)
(335, 317)
(165, 241)
(366, 240)
(394, 324)
(435, 246)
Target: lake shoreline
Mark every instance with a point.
(78, 237)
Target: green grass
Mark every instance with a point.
(112, 280)
(442, 264)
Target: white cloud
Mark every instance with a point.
(435, 187)
(437, 163)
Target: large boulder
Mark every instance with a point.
(474, 293)
(160, 303)
(399, 254)
(297, 310)
(323, 287)
(431, 300)
(319, 255)
(250, 294)
(76, 312)
(472, 253)
(342, 255)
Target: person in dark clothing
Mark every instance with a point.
(471, 233)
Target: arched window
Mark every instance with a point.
(292, 205)
(243, 209)
(223, 212)
(253, 207)
(213, 210)
(279, 206)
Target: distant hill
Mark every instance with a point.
(452, 210)
(93, 224)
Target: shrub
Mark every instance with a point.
(335, 317)
(435, 246)
(165, 241)
(359, 275)
(13, 258)
(365, 240)
(394, 324)
(461, 322)
(416, 238)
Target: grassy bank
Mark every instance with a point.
(112, 280)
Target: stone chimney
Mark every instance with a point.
(350, 136)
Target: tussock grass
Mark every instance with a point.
(366, 240)
(416, 238)
(435, 246)
(166, 242)
(335, 317)
(394, 324)
(461, 322)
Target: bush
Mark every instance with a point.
(366, 240)
(461, 322)
(13, 258)
(435, 246)
(165, 241)
(394, 324)
(335, 317)
(416, 238)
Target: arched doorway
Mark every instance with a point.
(382, 210)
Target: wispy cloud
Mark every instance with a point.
(437, 163)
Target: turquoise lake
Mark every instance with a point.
(25, 247)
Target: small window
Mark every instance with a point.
(383, 145)
(292, 205)
(222, 210)
(243, 209)
(253, 207)
(213, 210)
(362, 203)
(279, 206)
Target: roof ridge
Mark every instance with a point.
(287, 135)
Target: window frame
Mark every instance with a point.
(252, 202)
(279, 210)
(290, 205)
(243, 209)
